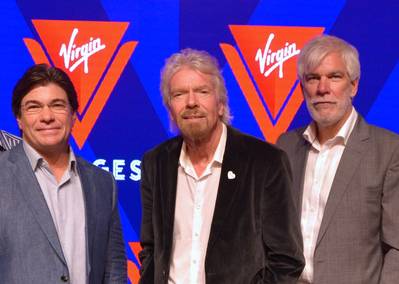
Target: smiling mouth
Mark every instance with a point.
(48, 129)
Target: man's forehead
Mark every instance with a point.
(205, 79)
(332, 61)
(46, 93)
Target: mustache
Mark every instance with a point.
(192, 113)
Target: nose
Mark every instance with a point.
(46, 114)
(192, 99)
(324, 86)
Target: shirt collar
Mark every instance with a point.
(343, 134)
(185, 162)
(36, 160)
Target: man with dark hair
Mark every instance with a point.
(217, 204)
(346, 174)
(58, 213)
(42, 75)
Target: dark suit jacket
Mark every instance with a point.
(358, 240)
(30, 251)
(255, 235)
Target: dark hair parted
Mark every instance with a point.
(42, 75)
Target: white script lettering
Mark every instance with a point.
(273, 59)
(76, 55)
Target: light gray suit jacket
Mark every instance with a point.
(30, 251)
(358, 241)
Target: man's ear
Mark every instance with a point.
(301, 85)
(355, 86)
(221, 110)
(19, 122)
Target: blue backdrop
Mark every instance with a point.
(133, 119)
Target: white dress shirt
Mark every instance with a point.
(195, 204)
(321, 166)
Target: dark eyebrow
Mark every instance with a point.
(51, 102)
(32, 102)
(311, 75)
(58, 101)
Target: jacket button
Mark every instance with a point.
(64, 278)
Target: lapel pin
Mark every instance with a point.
(231, 175)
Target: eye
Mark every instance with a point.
(32, 108)
(203, 92)
(312, 78)
(176, 95)
(336, 77)
(58, 106)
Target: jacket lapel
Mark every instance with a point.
(350, 160)
(33, 196)
(298, 169)
(231, 172)
(89, 195)
(168, 180)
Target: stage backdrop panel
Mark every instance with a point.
(113, 50)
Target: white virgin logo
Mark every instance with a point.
(76, 55)
(270, 60)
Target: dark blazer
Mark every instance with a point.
(255, 235)
(358, 241)
(30, 251)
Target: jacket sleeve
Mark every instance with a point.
(147, 234)
(390, 222)
(281, 228)
(115, 270)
